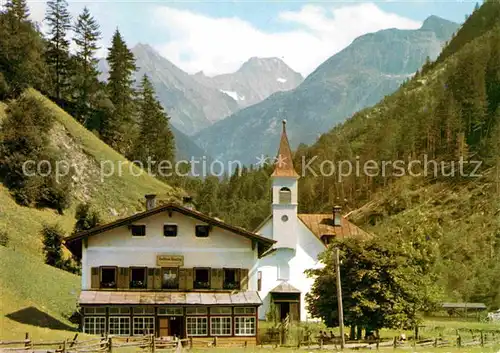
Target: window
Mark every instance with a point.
(231, 278)
(144, 310)
(170, 230)
(94, 325)
(245, 310)
(244, 326)
(285, 196)
(196, 310)
(220, 310)
(171, 311)
(138, 230)
(125, 310)
(259, 280)
(283, 271)
(96, 310)
(119, 325)
(202, 231)
(138, 277)
(170, 278)
(196, 326)
(220, 326)
(108, 277)
(144, 325)
(201, 278)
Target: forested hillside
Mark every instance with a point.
(37, 138)
(449, 113)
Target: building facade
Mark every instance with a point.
(171, 271)
(299, 238)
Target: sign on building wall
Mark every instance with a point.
(170, 260)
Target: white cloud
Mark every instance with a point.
(218, 45)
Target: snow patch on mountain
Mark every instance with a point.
(281, 80)
(233, 95)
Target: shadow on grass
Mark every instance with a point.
(33, 316)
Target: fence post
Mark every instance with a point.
(482, 338)
(459, 341)
(378, 342)
(215, 341)
(27, 340)
(435, 342)
(191, 342)
(395, 342)
(321, 343)
(74, 340)
(109, 342)
(153, 343)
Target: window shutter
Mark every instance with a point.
(182, 278)
(157, 278)
(123, 278)
(94, 281)
(244, 279)
(189, 278)
(216, 279)
(151, 278)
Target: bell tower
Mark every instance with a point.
(285, 198)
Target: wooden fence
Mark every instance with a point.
(462, 338)
(150, 344)
(146, 343)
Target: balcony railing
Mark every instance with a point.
(201, 285)
(231, 285)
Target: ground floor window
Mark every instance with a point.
(144, 325)
(196, 326)
(94, 325)
(119, 325)
(244, 326)
(220, 326)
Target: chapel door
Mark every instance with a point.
(164, 327)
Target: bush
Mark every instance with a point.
(26, 139)
(4, 238)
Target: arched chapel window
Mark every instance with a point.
(285, 196)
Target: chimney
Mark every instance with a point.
(187, 201)
(337, 216)
(150, 201)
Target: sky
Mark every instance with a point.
(219, 36)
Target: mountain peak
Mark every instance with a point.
(255, 61)
(442, 27)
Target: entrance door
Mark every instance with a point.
(164, 326)
(284, 310)
(175, 326)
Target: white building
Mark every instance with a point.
(299, 238)
(171, 271)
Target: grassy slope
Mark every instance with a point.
(25, 281)
(29, 300)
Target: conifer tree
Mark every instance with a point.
(116, 126)
(85, 79)
(155, 139)
(21, 50)
(59, 22)
(17, 9)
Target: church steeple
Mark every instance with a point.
(284, 162)
(285, 196)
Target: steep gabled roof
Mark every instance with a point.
(284, 164)
(322, 224)
(284, 287)
(73, 242)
